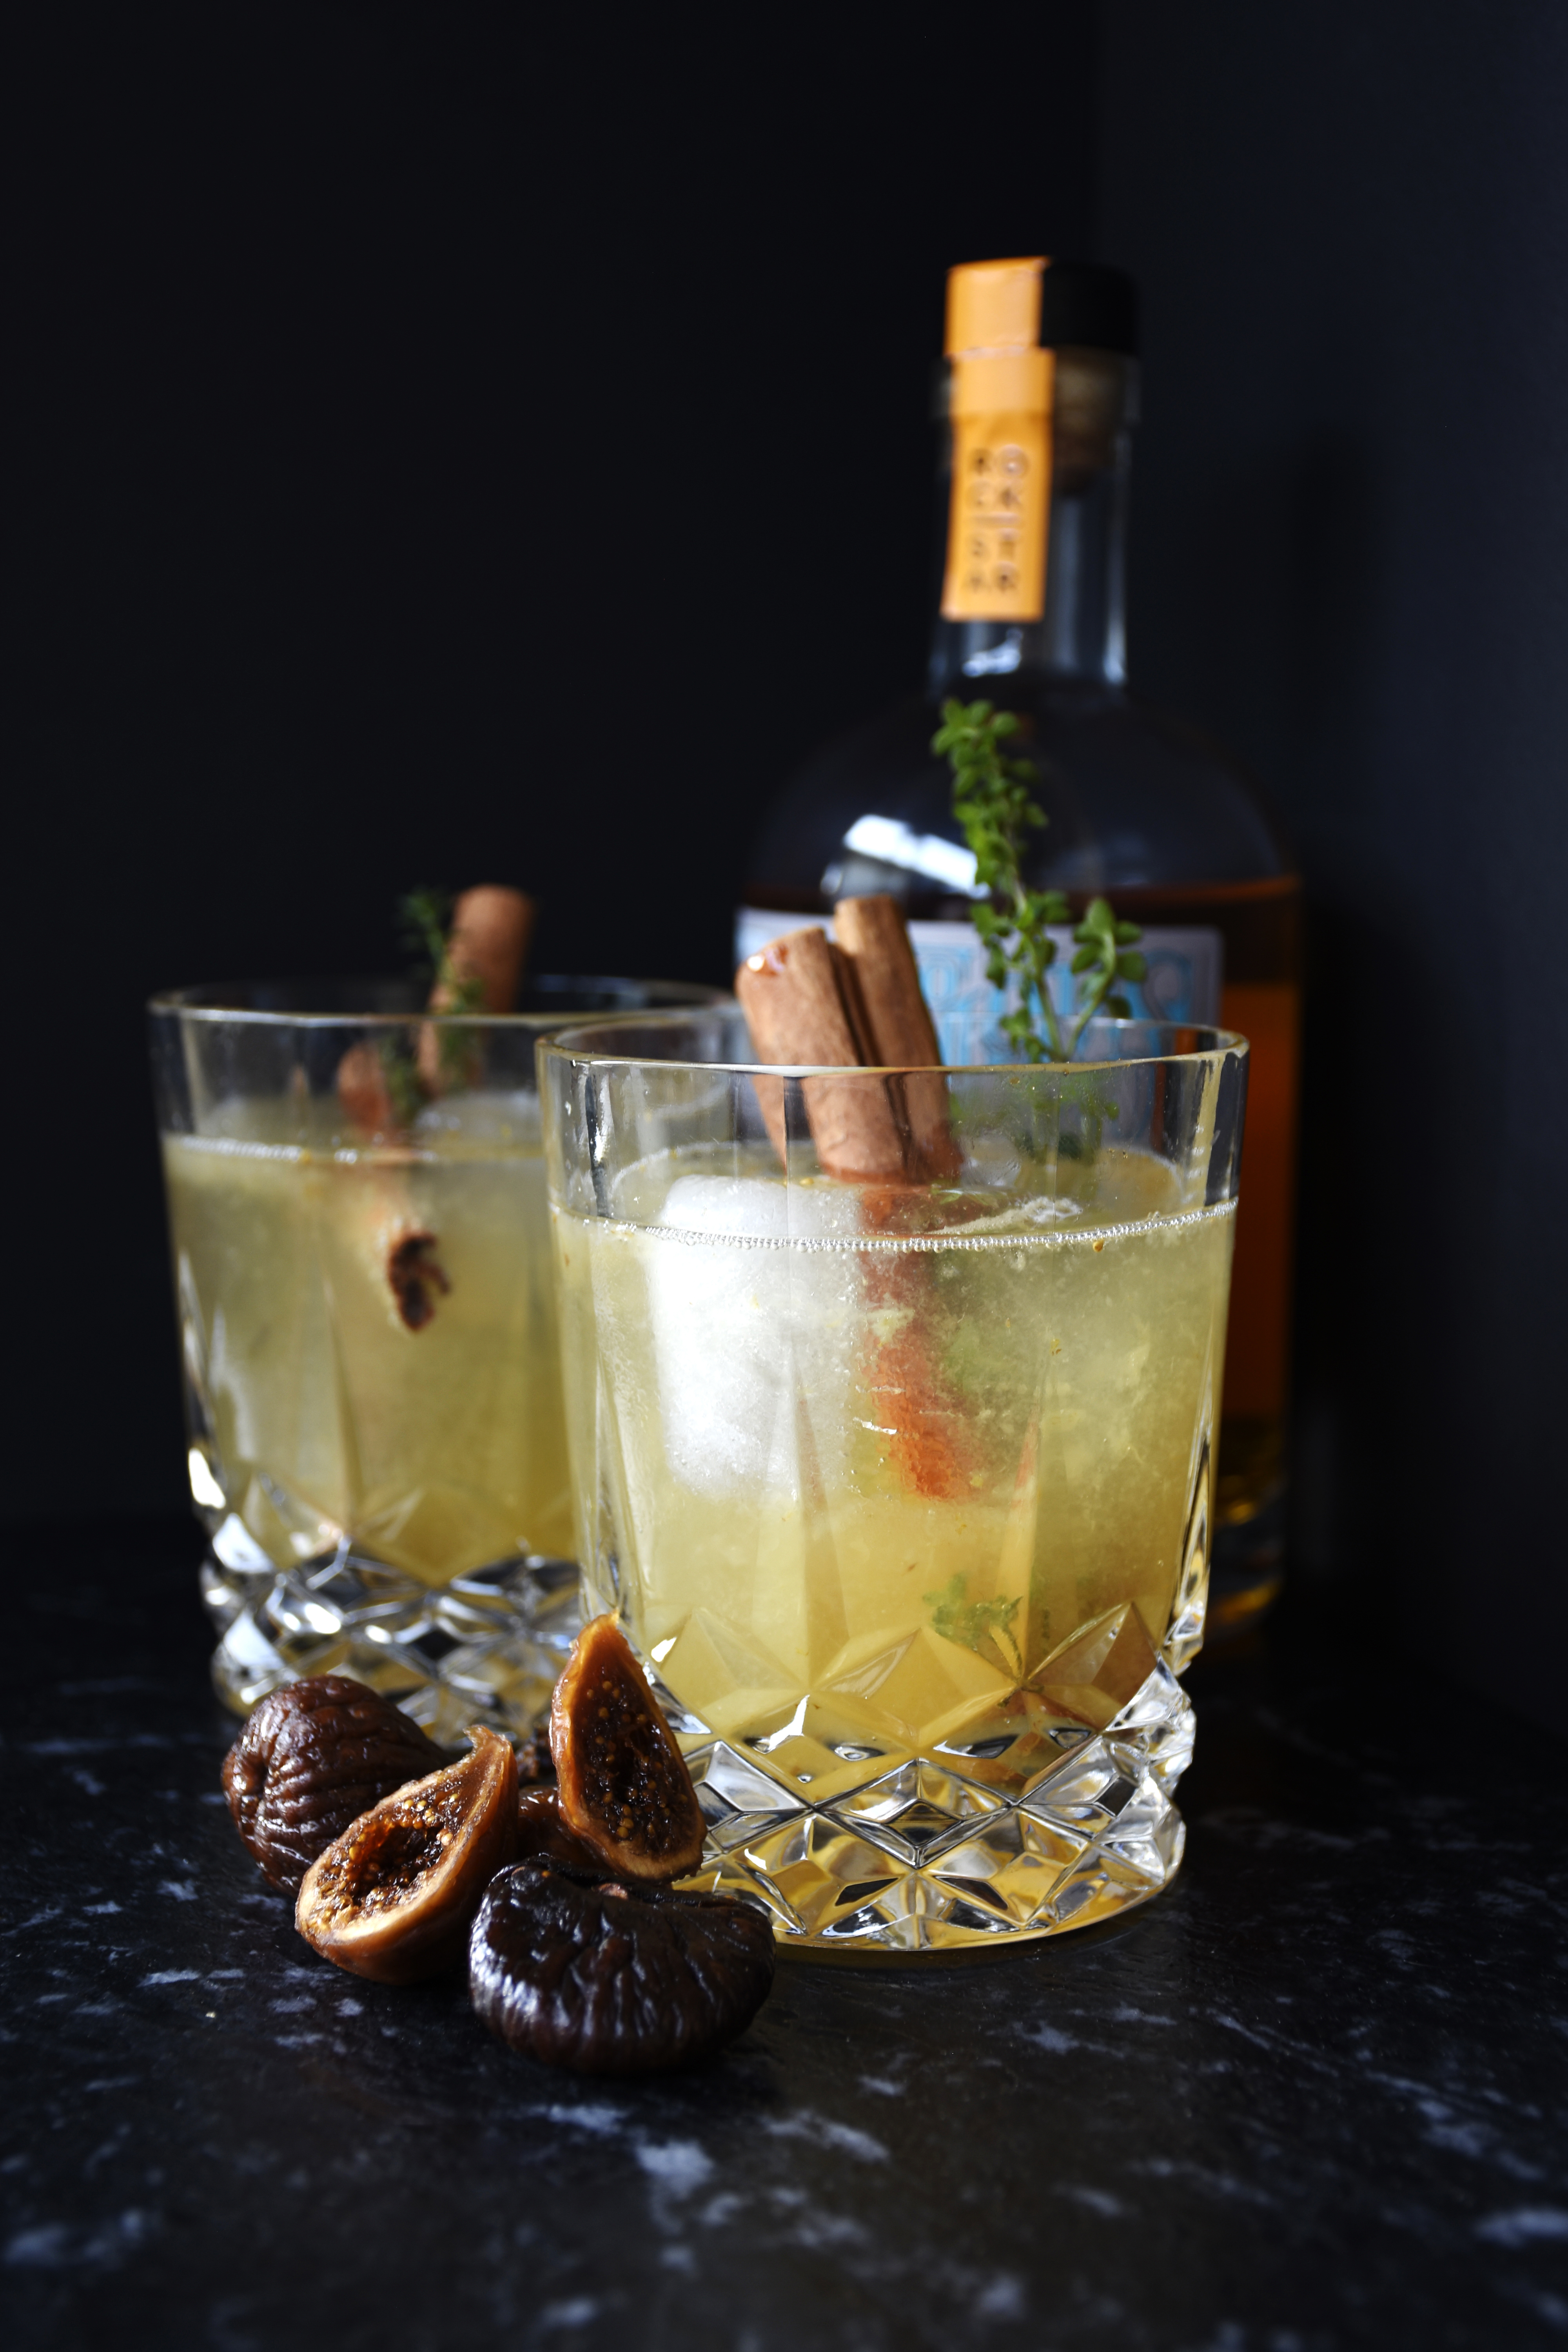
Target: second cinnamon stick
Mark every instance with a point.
(801, 1008)
(487, 942)
(901, 1034)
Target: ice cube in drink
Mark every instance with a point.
(897, 1489)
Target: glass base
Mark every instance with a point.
(953, 1851)
(486, 1648)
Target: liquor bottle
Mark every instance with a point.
(1039, 398)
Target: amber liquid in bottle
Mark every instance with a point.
(1259, 923)
(1139, 806)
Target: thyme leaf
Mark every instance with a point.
(425, 917)
(994, 804)
(956, 1618)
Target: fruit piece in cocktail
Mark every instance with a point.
(366, 1309)
(370, 1336)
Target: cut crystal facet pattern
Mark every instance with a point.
(486, 1648)
(1064, 1820)
(908, 1501)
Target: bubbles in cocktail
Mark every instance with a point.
(870, 1478)
(374, 1334)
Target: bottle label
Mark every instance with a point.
(999, 519)
(1183, 981)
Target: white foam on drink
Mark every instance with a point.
(753, 1347)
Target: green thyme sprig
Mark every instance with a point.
(425, 917)
(958, 1618)
(993, 803)
(404, 1087)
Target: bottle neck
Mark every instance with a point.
(1080, 633)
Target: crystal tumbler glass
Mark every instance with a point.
(903, 1492)
(367, 1325)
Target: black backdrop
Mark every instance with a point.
(1351, 557)
(448, 451)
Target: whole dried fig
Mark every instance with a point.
(610, 1978)
(392, 1897)
(313, 1757)
(622, 1781)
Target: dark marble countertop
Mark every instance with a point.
(1316, 2096)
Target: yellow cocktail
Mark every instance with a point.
(904, 1491)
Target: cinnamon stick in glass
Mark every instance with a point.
(808, 1000)
(801, 1009)
(491, 927)
(487, 942)
(900, 1032)
(363, 1093)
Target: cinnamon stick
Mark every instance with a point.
(362, 1091)
(930, 1435)
(802, 1008)
(491, 927)
(807, 999)
(487, 942)
(901, 1031)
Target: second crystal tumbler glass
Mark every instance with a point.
(367, 1323)
(903, 1491)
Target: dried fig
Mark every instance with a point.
(623, 1782)
(311, 1759)
(392, 1898)
(535, 1761)
(610, 1978)
(541, 1830)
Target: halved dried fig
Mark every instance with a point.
(610, 1978)
(623, 1781)
(392, 1898)
(311, 1759)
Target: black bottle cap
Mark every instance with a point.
(1085, 302)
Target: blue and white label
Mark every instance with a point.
(1186, 969)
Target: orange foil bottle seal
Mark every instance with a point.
(999, 400)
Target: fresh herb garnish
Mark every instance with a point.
(992, 801)
(404, 1087)
(958, 1618)
(425, 917)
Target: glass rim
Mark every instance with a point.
(556, 1048)
(686, 996)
